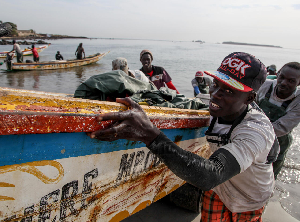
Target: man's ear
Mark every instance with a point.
(251, 97)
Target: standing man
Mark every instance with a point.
(200, 83)
(18, 51)
(237, 178)
(35, 54)
(280, 100)
(158, 75)
(80, 51)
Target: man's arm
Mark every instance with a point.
(289, 121)
(171, 86)
(134, 124)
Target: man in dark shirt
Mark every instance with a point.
(158, 75)
(80, 51)
(58, 56)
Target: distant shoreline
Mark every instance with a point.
(53, 37)
(250, 44)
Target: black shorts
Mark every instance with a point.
(36, 59)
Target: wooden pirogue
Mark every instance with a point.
(56, 64)
(27, 51)
(50, 170)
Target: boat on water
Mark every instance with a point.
(50, 170)
(26, 52)
(55, 64)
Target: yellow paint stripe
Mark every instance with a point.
(4, 198)
(10, 98)
(2, 184)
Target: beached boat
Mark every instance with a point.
(55, 64)
(26, 52)
(50, 170)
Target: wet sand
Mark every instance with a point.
(164, 211)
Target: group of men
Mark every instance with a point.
(58, 56)
(238, 178)
(148, 73)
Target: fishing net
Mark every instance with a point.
(5, 29)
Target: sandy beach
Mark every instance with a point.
(164, 211)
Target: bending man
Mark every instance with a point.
(280, 100)
(237, 179)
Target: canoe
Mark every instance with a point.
(26, 52)
(50, 170)
(55, 64)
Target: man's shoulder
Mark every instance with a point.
(158, 68)
(266, 85)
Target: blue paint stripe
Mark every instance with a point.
(17, 149)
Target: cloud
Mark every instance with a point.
(296, 6)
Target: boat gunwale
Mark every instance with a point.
(56, 63)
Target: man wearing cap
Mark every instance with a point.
(271, 72)
(280, 100)
(158, 75)
(200, 83)
(237, 179)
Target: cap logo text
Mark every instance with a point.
(237, 64)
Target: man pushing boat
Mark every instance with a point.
(237, 178)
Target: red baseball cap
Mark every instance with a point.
(241, 71)
(199, 74)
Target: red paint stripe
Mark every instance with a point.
(56, 123)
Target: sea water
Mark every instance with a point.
(181, 60)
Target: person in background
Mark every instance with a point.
(80, 51)
(158, 75)
(271, 72)
(121, 64)
(18, 51)
(237, 179)
(280, 100)
(200, 83)
(35, 54)
(58, 56)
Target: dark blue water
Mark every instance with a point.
(181, 60)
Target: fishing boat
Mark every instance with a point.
(26, 52)
(50, 170)
(55, 64)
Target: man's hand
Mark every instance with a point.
(132, 124)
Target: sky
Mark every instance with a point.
(271, 22)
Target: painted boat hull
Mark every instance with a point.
(50, 170)
(26, 52)
(56, 64)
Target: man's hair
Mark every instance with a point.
(32, 46)
(119, 63)
(14, 41)
(293, 65)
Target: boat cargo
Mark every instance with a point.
(55, 64)
(50, 170)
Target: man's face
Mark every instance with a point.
(199, 79)
(226, 102)
(146, 61)
(287, 81)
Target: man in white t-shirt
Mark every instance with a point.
(237, 178)
(18, 51)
